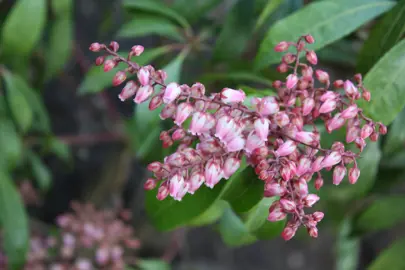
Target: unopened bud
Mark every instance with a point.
(119, 78)
(322, 76)
(309, 39)
(95, 47)
(311, 57)
(100, 60)
(282, 68)
(109, 65)
(114, 46)
(354, 174)
(137, 50)
(150, 184)
(281, 47)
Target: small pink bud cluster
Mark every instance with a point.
(276, 135)
(89, 239)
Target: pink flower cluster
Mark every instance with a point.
(277, 135)
(89, 239)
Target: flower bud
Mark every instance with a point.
(350, 89)
(328, 106)
(288, 232)
(282, 68)
(322, 76)
(178, 134)
(350, 112)
(168, 111)
(143, 76)
(100, 60)
(128, 91)
(382, 129)
(307, 72)
(229, 95)
(155, 102)
(317, 164)
(292, 80)
(150, 184)
(137, 50)
(318, 183)
(301, 187)
(352, 133)
(286, 148)
(331, 159)
(306, 137)
(143, 94)
(354, 174)
(183, 112)
(272, 189)
(307, 106)
(95, 47)
(289, 58)
(366, 131)
(338, 174)
(304, 165)
(313, 232)
(172, 92)
(281, 119)
(287, 205)
(155, 166)
(374, 137)
(231, 165)
(366, 95)
(109, 65)
(338, 84)
(162, 193)
(262, 128)
(309, 39)
(360, 143)
(119, 78)
(213, 173)
(311, 57)
(310, 200)
(281, 47)
(276, 213)
(114, 46)
(197, 90)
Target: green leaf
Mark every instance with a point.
(211, 215)
(194, 10)
(59, 148)
(10, 144)
(61, 7)
(236, 32)
(96, 79)
(327, 21)
(236, 76)
(60, 46)
(40, 172)
(233, 231)
(391, 258)
(396, 135)
(385, 81)
(18, 102)
(384, 35)
(383, 213)
(40, 114)
(142, 25)
(150, 264)
(368, 165)
(27, 20)
(347, 248)
(257, 224)
(270, 7)
(13, 222)
(342, 52)
(157, 7)
(244, 191)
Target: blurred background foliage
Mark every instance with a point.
(59, 115)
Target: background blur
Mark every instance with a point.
(65, 136)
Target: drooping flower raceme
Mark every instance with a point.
(277, 135)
